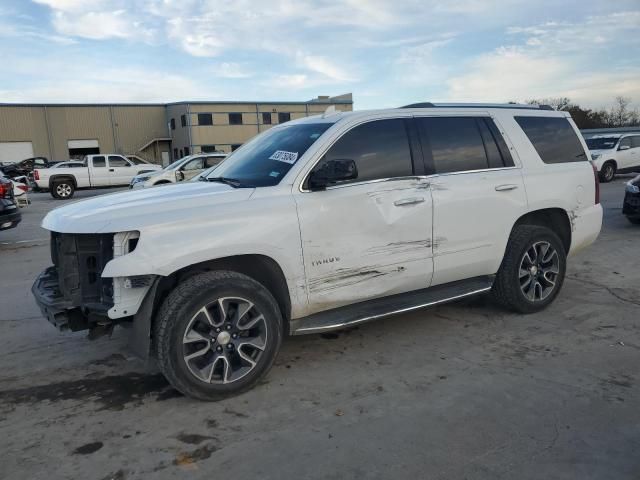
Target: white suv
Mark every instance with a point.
(615, 153)
(322, 223)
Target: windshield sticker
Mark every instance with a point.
(274, 174)
(286, 157)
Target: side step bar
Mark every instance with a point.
(382, 307)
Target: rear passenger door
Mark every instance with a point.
(371, 236)
(477, 192)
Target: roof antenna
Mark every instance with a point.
(331, 109)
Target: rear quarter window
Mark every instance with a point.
(554, 139)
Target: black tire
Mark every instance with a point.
(62, 189)
(162, 182)
(180, 309)
(634, 220)
(608, 172)
(507, 289)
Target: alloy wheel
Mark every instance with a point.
(224, 340)
(539, 271)
(608, 172)
(63, 190)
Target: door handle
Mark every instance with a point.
(506, 187)
(111, 170)
(408, 201)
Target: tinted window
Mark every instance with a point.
(99, 161)
(205, 119)
(601, 143)
(625, 142)
(235, 146)
(456, 144)
(635, 142)
(115, 161)
(553, 138)
(284, 117)
(235, 119)
(175, 153)
(380, 150)
(266, 118)
(208, 148)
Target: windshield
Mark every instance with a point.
(263, 161)
(602, 143)
(176, 164)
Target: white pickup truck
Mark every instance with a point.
(104, 170)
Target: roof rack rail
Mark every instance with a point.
(519, 106)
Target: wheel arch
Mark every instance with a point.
(55, 178)
(555, 218)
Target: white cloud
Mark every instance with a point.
(231, 70)
(325, 67)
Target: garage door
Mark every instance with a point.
(15, 151)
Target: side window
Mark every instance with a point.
(211, 161)
(115, 161)
(456, 144)
(494, 145)
(195, 164)
(625, 142)
(380, 149)
(99, 161)
(553, 138)
(635, 141)
(173, 123)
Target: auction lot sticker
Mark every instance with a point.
(286, 157)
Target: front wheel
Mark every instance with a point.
(608, 172)
(217, 334)
(532, 271)
(62, 189)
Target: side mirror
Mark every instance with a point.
(179, 175)
(332, 171)
(624, 147)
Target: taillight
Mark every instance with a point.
(4, 190)
(23, 187)
(36, 174)
(597, 180)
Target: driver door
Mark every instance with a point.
(190, 169)
(367, 237)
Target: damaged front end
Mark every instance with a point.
(73, 295)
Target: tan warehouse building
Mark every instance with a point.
(156, 132)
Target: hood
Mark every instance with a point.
(136, 209)
(150, 174)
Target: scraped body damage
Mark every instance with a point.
(362, 242)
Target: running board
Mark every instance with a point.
(382, 307)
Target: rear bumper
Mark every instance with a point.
(585, 225)
(10, 220)
(631, 205)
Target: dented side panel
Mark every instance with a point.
(362, 241)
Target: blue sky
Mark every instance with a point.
(387, 53)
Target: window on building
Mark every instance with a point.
(266, 118)
(205, 119)
(186, 151)
(173, 123)
(208, 149)
(99, 161)
(235, 146)
(175, 154)
(181, 154)
(117, 161)
(284, 117)
(553, 138)
(456, 144)
(183, 120)
(380, 150)
(235, 119)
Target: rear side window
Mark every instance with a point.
(115, 161)
(99, 162)
(635, 141)
(379, 148)
(553, 138)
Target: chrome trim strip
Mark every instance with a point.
(325, 328)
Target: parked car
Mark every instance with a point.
(615, 153)
(631, 204)
(105, 170)
(183, 169)
(10, 215)
(20, 192)
(322, 223)
(24, 167)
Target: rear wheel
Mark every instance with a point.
(608, 172)
(532, 271)
(217, 334)
(62, 189)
